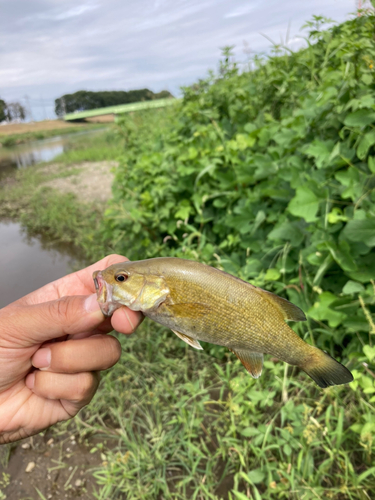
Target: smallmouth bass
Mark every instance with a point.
(198, 302)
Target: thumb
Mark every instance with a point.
(65, 316)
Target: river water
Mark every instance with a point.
(28, 262)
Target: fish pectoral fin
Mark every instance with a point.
(252, 361)
(287, 309)
(192, 342)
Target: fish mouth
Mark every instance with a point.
(104, 293)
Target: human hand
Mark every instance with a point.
(53, 342)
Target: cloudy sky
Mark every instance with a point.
(52, 47)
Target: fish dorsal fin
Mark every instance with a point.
(287, 309)
(252, 361)
(192, 342)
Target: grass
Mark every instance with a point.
(103, 145)
(188, 425)
(184, 424)
(20, 137)
(180, 424)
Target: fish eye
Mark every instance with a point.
(121, 277)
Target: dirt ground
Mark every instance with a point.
(59, 467)
(101, 119)
(89, 181)
(23, 128)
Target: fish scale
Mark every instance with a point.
(199, 302)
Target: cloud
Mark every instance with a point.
(59, 14)
(51, 48)
(241, 11)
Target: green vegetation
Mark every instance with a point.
(3, 114)
(14, 139)
(84, 100)
(268, 174)
(103, 145)
(11, 111)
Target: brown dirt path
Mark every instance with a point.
(23, 128)
(89, 181)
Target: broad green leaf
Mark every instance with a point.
(352, 287)
(272, 275)
(320, 150)
(371, 164)
(239, 495)
(285, 137)
(289, 231)
(250, 431)
(321, 310)
(369, 352)
(360, 118)
(341, 254)
(244, 141)
(336, 216)
(365, 144)
(305, 204)
(365, 271)
(256, 476)
(259, 219)
(361, 230)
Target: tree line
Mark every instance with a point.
(11, 111)
(83, 100)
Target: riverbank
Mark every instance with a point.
(12, 134)
(169, 421)
(63, 202)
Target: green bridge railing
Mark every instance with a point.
(120, 109)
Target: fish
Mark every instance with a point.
(201, 303)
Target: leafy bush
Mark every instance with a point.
(269, 174)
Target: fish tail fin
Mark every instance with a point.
(325, 370)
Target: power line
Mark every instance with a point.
(29, 107)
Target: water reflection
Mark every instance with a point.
(25, 155)
(31, 153)
(37, 152)
(29, 262)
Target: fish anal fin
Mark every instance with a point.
(287, 309)
(192, 342)
(252, 361)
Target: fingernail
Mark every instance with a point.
(91, 304)
(30, 380)
(42, 358)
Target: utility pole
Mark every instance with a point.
(63, 105)
(44, 109)
(29, 107)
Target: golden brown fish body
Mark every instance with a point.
(199, 302)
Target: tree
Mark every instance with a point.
(15, 111)
(3, 110)
(83, 100)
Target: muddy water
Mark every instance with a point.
(31, 153)
(27, 263)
